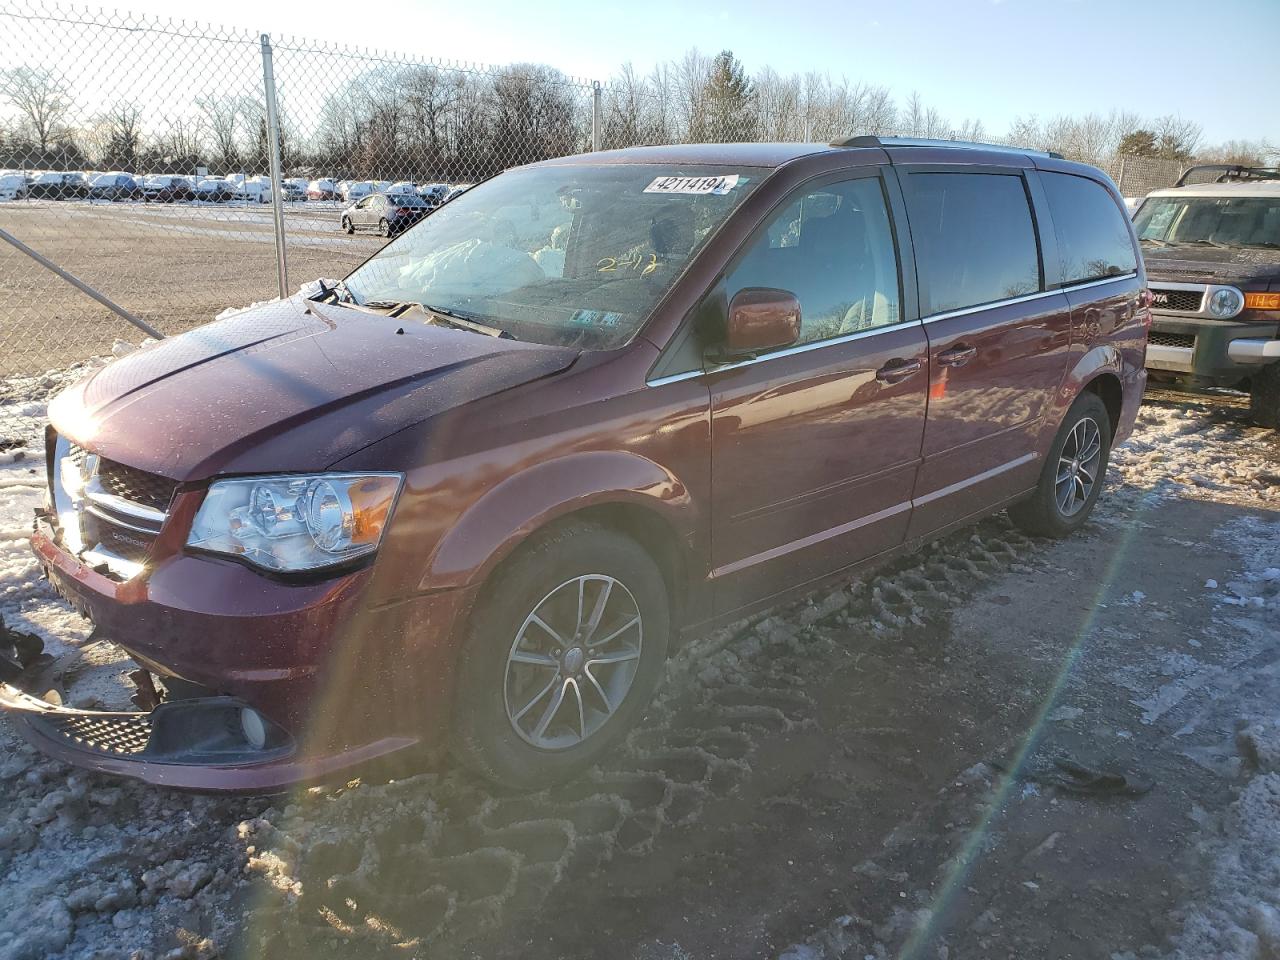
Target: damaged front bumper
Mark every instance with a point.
(271, 684)
(204, 743)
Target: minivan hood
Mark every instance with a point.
(290, 385)
(1208, 264)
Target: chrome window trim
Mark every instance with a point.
(932, 318)
(785, 352)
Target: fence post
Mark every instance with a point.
(277, 184)
(595, 114)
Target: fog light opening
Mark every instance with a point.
(253, 727)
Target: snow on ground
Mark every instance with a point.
(93, 867)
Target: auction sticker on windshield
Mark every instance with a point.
(695, 185)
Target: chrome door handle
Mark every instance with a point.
(957, 356)
(896, 370)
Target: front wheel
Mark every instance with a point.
(1264, 397)
(384, 228)
(563, 653)
(1072, 477)
(347, 225)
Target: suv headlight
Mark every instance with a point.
(1225, 302)
(296, 523)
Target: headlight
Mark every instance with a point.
(295, 523)
(1225, 302)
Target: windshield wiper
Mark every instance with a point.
(1163, 243)
(1211, 243)
(453, 318)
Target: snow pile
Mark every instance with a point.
(1176, 450)
(1241, 918)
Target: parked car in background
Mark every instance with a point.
(322, 189)
(59, 186)
(295, 188)
(385, 213)
(166, 188)
(114, 186)
(1213, 258)
(13, 186)
(464, 500)
(403, 186)
(254, 190)
(215, 190)
(356, 189)
(433, 193)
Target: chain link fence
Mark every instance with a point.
(146, 156)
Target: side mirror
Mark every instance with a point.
(761, 319)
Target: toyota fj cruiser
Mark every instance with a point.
(1213, 262)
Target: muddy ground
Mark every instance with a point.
(866, 774)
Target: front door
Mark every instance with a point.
(998, 341)
(815, 447)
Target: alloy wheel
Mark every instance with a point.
(1078, 464)
(573, 661)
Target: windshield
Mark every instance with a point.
(567, 255)
(1218, 221)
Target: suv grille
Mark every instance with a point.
(1184, 300)
(1171, 339)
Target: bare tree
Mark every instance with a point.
(41, 99)
(222, 114)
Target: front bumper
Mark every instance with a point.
(192, 744)
(1210, 352)
(345, 678)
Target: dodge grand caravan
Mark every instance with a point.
(474, 494)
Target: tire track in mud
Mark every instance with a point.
(421, 866)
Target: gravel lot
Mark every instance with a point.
(864, 774)
(173, 265)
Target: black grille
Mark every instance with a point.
(118, 733)
(1184, 300)
(1172, 339)
(136, 486)
(133, 545)
(130, 483)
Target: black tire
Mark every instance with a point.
(384, 228)
(1043, 513)
(484, 734)
(1264, 397)
(347, 225)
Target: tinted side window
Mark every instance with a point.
(831, 246)
(974, 237)
(1093, 238)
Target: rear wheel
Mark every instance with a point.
(1264, 397)
(384, 228)
(347, 225)
(1073, 473)
(562, 656)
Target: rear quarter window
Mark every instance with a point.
(1093, 237)
(974, 237)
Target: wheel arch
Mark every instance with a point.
(1109, 390)
(616, 490)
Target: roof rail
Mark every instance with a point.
(868, 140)
(1231, 171)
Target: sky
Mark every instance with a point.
(992, 60)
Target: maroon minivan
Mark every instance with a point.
(473, 495)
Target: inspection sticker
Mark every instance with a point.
(693, 185)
